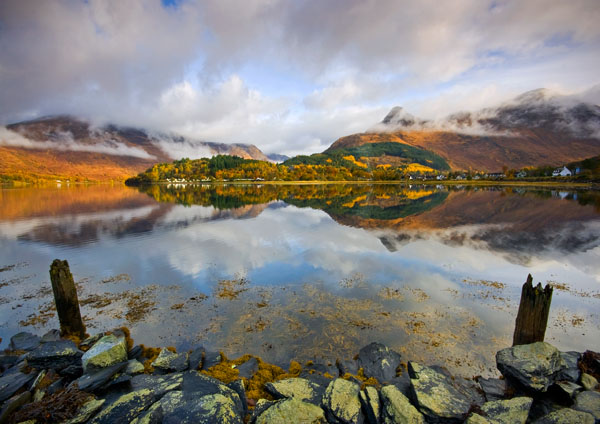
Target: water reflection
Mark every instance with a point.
(318, 270)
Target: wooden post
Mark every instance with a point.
(65, 298)
(532, 318)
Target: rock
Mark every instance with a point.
(299, 388)
(196, 384)
(566, 416)
(10, 383)
(402, 383)
(566, 390)
(158, 383)
(589, 402)
(195, 358)
(211, 359)
(7, 361)
(56, 386)
(397, 408)
(90, 341)
(134, 367)
(261, 406)
(24, 341)
(116, 381)
(349, 366)
(107, 351)
(208, 409)
(168, 361)
(91, 382)
(571, 372)
(55, 355)
(371, 404)
(493, 388)
(292, 410)
(341, 402)
(509, 411)
(86, 411)
(238, 387)
(533, 366)
(72, 371)
(152, 415)
(378, 361)
(37, 381)
(12, 404)
(478, 419)
(126, 407)
(51, 336)
(248, 368)
(135, 352)
(317, 378)
(588, 382)
(436, 395)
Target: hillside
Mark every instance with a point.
(537, 128)
(64, 147)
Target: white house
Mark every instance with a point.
(561, 172)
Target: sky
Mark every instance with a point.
(290, 76)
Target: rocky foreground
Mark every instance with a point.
(106, 379)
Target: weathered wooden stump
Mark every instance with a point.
(532, 318)
(65, 298)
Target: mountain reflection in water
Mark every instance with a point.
(303, 271)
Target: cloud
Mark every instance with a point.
(64, 141)
(286, 76)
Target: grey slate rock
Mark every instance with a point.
(208, 409)
(341, 402)
(566, 391)
(378, 361)
(437, 396)
(571, 372)
(158, 383)
(92, 382)
(196, 384)
(261, 406)
(168, 361)
(12, 404)
(588, 382)
(72, 371)
(535, 366)
(509, 411)
(292, 410)
(493, 388)
(86, 411)
(135, 352)
(56, 386)
(566, 416)
(211, 359)
(51, 336)
(107, 351)
(126, 407)
(134, 367)
(24, 341)
(12, 382)
(238, 387)
(7, 361)
(371, 404)
(248, 368)
(589, 402)
(55, 355)
(196, 357)
(349, 366)
(397, 408)
(402, 383)
(299, 388)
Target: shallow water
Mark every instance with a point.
(307, 271)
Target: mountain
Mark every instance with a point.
(534, 129)
(275, 157)
(68, 147)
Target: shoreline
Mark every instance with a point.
(107, 378)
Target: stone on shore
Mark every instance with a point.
(12, 404)
(209, 409)
(589, 402)
(11, 382)
(292, 410)
(159, 384)
(126, 407)
(437, 396)
(55, 355)
(248, 368)
(493, 388)
(24, 341)
(572, 372)
(134, 367)
(211, 359)
(92, 382)
(168, 361)
(533, 366)
(378, 361)
(86, 411)
(566, 416)
(369, 398)
(397, 408)
(341, 402)
(510, 411)
(298, 388)
(347, 366)
(588, 382)
(51, 336)
(107, 351)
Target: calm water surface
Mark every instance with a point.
(307, 271)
